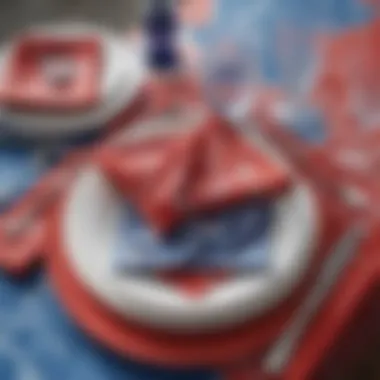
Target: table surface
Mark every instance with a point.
(38, 341)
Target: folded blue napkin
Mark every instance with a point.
(235, 239)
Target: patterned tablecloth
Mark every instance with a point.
(37, 339)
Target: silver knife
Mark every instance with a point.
(343, 253)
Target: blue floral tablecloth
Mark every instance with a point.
(37, 339)
(39, 342)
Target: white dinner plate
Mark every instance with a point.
(89, 225)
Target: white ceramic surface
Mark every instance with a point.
(89, 226)
(123, 76)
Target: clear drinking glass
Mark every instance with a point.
(248, 44)
(230, 78)
(301, 31)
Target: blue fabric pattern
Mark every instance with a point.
(23, 162)
(18, 171)
(38, 341)
(236, 239)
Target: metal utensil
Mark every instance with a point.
(282, 351)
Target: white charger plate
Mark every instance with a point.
(89, 225)
(123, 77)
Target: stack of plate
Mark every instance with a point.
(121, 78)
(108, 304)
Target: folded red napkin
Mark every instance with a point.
(174, 178)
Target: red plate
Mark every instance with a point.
(127, 338)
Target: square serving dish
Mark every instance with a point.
(53, 74)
